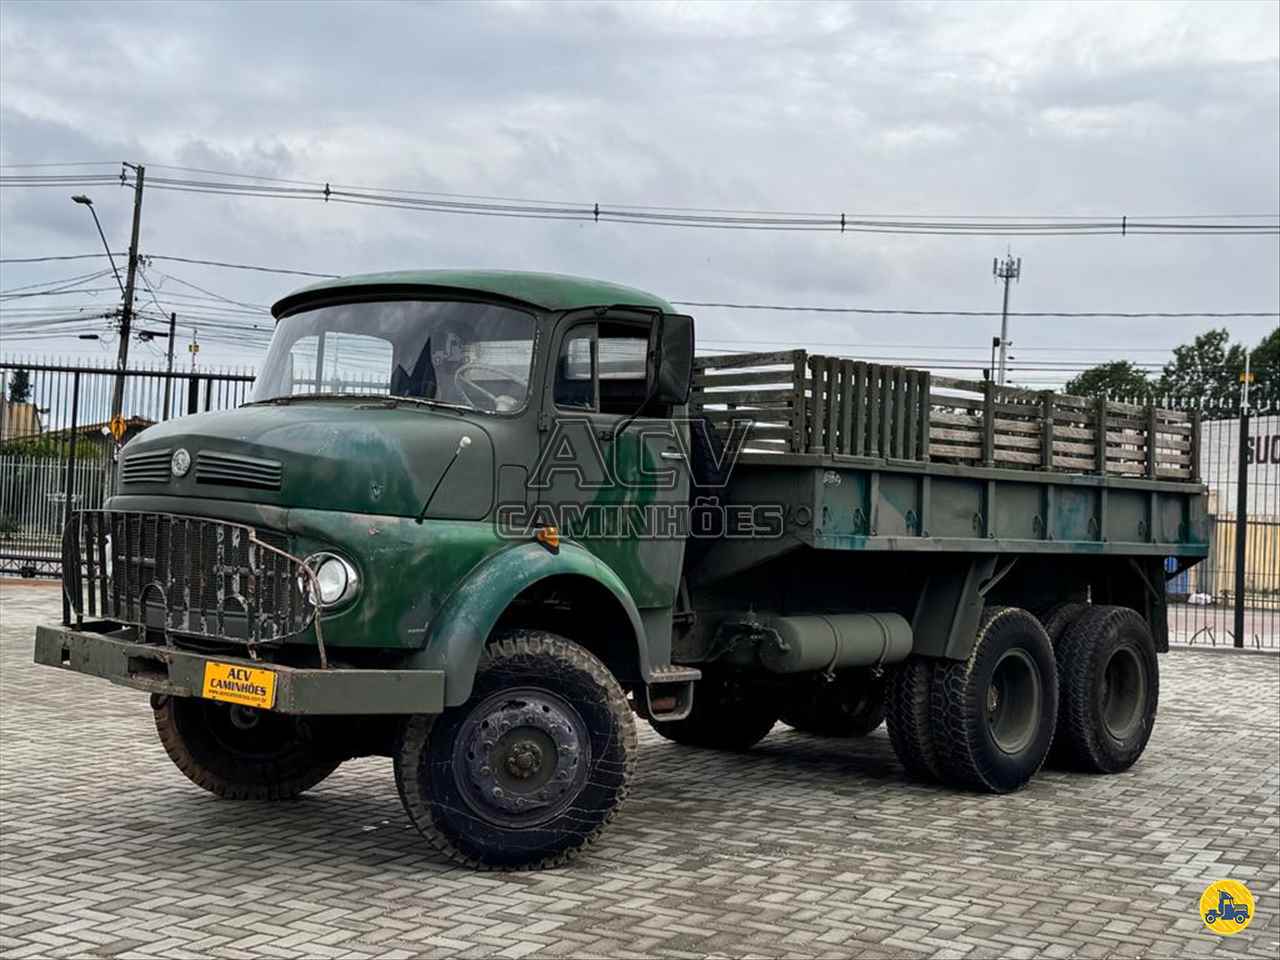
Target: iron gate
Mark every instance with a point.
(1233, 596)
(57, 452)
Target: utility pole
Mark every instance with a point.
(194, 347)
(168, 382)
(126, 311)
(1242, 504)
(1006, 270)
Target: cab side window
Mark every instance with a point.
(575, 386)
(601, 368)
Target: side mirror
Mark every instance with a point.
(669, 368)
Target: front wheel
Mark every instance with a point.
(531, 768)
(239, 753)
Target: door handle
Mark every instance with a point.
(671, 455)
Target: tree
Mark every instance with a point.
(1209, 367)
(1117, 380)
(1265, 364)
(20, 386)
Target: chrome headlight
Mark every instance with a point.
(336, 580)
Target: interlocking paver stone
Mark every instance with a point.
(802, 848)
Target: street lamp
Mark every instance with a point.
(82, 199)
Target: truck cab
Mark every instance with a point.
(409, 430)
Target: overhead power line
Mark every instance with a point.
(725, 305)
(74, 256)
(244, 266)
(199, 181)
(57, 293)
(64, 163)
(730, 220)
(961, 313)
(54, 283)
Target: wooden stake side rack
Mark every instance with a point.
(802, 403)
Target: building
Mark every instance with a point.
(18, 420)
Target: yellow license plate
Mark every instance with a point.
(235, 683)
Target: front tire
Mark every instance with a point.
(726, 715)
(993, 714)
(531, 768)
(239, 753)
(1110, 681)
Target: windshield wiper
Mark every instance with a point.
(384, 398)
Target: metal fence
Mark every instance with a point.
(57, 449)
(34, 502)
(1233, 597)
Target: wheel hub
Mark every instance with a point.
(1123, 693)
(523, 756)
(524, 760)
(243, 718)
(1013, 701)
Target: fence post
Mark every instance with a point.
(68, 486)
(1153, 428)
(1196, 427)
(988, 424)
(1242, 524)
(1046, 429)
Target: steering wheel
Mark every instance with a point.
(470, 389)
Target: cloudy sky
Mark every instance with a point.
(1083, 109)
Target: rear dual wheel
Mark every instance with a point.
(907, 717)
(993, 714)
(727, 714)
(1110, 689)
(984, 723)
(849, 704)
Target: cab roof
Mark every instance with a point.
(546, 291)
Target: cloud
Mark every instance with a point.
(871, 108)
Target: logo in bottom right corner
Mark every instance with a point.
(1226, 906)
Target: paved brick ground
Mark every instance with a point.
(803, 848)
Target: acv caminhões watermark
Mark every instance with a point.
(645, 480)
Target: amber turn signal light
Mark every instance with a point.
(549, 537)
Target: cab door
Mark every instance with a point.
(612, 470)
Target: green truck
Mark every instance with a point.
(478, 521)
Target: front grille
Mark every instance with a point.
(233, 470)
(149, 467)
(186, 575)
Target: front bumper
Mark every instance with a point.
(104, 650)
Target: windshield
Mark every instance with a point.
(470, 354)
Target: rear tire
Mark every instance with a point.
(1110, 690)
(851, 704)
(532, 768)
(1059, 618)
(993, 714)
(239, 753)
(907, 717)
(726, 715)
